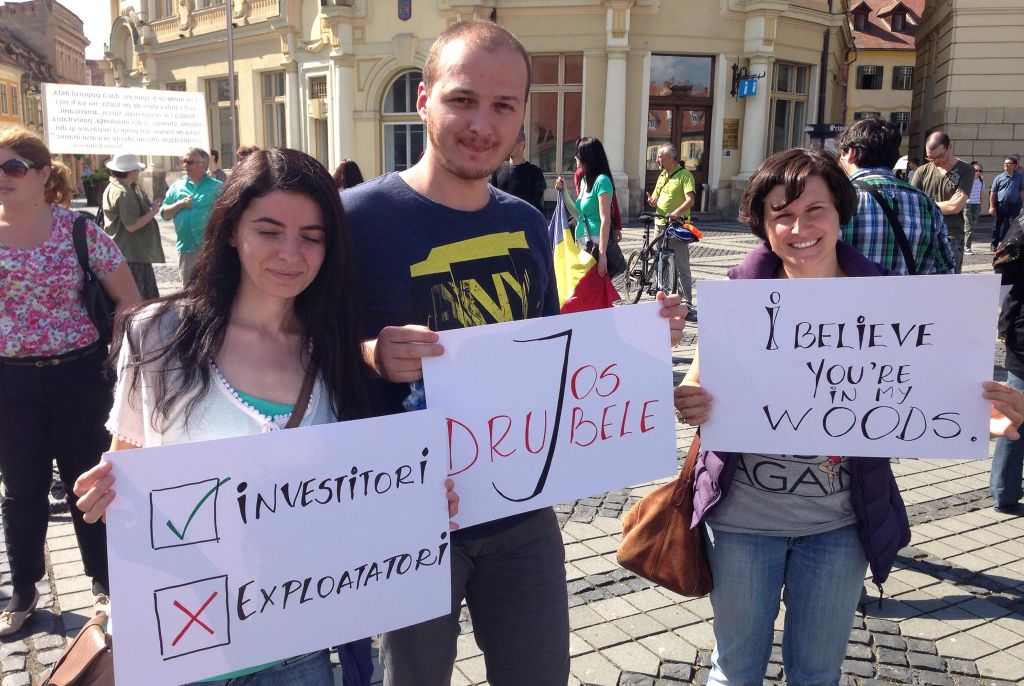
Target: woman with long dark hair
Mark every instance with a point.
(54, 396)
(347, 175)
(593, 209)
(272, 304)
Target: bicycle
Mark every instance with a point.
(647, 269)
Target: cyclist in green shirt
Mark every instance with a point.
(674, 195)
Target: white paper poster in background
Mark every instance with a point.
(233, 553)
(103, 120)
(547, 410)
(874, 367)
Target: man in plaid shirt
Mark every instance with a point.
(868, 150)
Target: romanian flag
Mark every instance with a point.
(580, 287)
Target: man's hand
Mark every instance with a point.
(398, 351)
(673, 309)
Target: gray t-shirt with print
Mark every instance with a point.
(786, 495)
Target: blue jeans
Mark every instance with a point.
(819, 577)
(1004, 481)
(312, 669)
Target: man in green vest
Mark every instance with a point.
(673, 196)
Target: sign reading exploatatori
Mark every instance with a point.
(105, 120)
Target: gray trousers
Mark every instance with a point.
(513, 582)
(186, 267)
(681, 258)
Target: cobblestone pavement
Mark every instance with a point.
(953, 612)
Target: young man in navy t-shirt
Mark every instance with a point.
(436, 249)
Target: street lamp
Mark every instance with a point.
(231, 76)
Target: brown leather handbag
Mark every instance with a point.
(88, 660)
(657, 541)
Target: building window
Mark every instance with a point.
(901, 120)
(903, 78)
(554, 118)
(219, 111)
(210, 3)
(175, 86)
(898, 22)
(860, 21)
(403, 131)
(869, 77)
(14, 100)
(788, 105)
(857, 116)
(3, 98)
(275, 120)
(162, 8)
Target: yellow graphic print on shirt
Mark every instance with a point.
(475, 281)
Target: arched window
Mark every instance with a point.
(403, 131)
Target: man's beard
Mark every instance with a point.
(465, 173)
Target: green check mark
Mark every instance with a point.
(181, 535)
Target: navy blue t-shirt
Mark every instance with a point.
(420, 262)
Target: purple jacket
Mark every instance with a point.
(882, 524)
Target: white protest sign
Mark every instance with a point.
(233, 553)
(543, 411)
(105, 120)
(873, 367)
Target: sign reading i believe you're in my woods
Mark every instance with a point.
(873, 367)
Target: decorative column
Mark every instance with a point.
(614, 136)
(340, 108)
(295, 110)
(755, 118)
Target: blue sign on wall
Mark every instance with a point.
(748, 87)
(405, 10)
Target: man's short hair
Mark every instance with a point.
(874, 141)
(791, 168)
(476, 34)
(937, 138)
(670, 149)
(215, 155)
(203, 155)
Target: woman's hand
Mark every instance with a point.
(1007, 410)
(559, 183)
(693, 404)
(453, 503)
(95, 492)
(602, 265)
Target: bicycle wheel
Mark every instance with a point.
(664, 277)
(633, 277)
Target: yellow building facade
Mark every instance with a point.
(971, 81)
(11, 106)
(337, 78)
(881, 73)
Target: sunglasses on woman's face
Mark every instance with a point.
(15, 168)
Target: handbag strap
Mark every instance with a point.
(81, 247)
(894, 221)
(303, 401)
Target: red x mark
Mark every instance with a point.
(193, 618)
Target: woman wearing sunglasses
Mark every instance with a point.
(54, 397)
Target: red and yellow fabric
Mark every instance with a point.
(580, 286)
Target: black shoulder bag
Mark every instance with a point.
(615, 259)
(98, 304)
(894, 222)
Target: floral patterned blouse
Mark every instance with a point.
(41, 307)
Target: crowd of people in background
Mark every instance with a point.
(240, 330)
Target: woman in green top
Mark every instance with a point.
(594, 207)
(129, 218)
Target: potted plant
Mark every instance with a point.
(94, 185)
